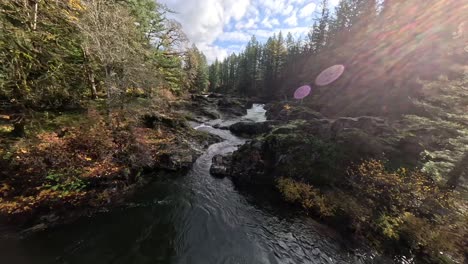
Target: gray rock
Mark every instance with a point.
(220, 165)
(212, 114)
(252, 128)
(232, 106)
(176, 161)
(316, 251)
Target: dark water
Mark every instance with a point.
(191, 219)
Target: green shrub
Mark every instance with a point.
(64, 183)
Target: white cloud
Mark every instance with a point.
(288, 10)
(204, 20)
(251, 23)
(273, 6)
(307, 10)
(297, 1)
(220, 27)
(292, 20)
(275, 22)
(212, 52)
(267, 23)
(270, 23)
(234, 36)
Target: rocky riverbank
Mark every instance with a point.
(81, 163)
(361, 175)
(295, 135)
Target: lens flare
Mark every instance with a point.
(329, 75)
(302, 92)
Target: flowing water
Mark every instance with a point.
(194, 218)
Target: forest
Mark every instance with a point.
(107, 106)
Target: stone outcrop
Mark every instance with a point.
(251, 128)
(319, 150)
(220, 165)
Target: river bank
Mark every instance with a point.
(361, 175)
(183, 219)
(80, 162)
(287, 160)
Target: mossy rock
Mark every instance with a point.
(252, 128)
(286, 111)
(317, 151)
(152, 120)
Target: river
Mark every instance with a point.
(194, 218)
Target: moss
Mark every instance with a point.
(302, 156)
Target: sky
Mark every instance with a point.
(220, 27)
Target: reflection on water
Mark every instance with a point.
(191, 219)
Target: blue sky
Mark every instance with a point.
(220, 27)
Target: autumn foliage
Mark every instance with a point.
(81, 166)
(391, 209)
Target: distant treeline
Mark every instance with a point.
(379, 42)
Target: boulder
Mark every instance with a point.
(248, 165)
(220, 165)
(252, 128)
(210, 113)
(232, 106)
(177, 161)
(152, 120)
(286, 111)
(319, 151)
(219, 126)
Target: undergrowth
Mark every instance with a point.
(392, 209)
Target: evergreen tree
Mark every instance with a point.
(196, 70)
(215, 76)
(233, 67)
(202, 80)
(342, 20)
(311, 43)
(40, 50)
(251, 65)
(279, 58)
(319, 35)
(268, 65)
(225, 74)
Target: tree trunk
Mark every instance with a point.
(18, 127)
(93, 84)
(460, 170)
(89, 70)
(108, 88)
(26, 7)
(36, 9)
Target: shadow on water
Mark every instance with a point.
(191, 219)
